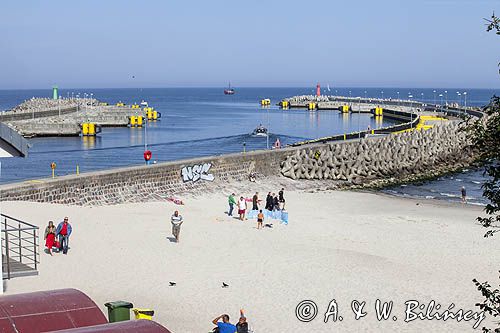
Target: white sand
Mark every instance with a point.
(341, 245)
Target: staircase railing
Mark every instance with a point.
(20, 254)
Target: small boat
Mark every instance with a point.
(229, 90)
(144, 103)
(260, 131)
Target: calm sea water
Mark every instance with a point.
(203, 121)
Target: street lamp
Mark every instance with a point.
(399, 102)
(382, 95)
(446, 94)
(91, 102)
(465, 99)
(459, 96)
(359, 118)
(441, 95)
(422, 94)
(434, 91)
(411, 111)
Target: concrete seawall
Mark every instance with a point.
(406, 157)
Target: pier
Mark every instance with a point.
(69, 121)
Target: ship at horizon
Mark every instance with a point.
(229, 90)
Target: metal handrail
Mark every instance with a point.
(19, 244)
(14, 219)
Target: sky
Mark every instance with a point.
(183, 43)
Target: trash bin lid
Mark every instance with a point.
(148, 312)
(119, 304)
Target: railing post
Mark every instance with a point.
(7, 253)
(35, 248)
(20, 245)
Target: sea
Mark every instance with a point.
(199, 122)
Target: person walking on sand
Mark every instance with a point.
(255, 201)
(64, 230)
(242, 206)
(176, 221)
(231, 202)
(224, 326)
(50, 236)
(464, 194)
(260, 219)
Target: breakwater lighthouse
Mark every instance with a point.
(55, 93)
(318, 90)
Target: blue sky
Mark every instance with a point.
(356, 43)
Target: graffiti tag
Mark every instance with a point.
(197, 172)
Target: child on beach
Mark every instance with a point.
(260, 219)
(242, 325)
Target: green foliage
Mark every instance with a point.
(485, 135)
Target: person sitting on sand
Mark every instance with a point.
(260, 219)
(50, 236)
(176, 221)
(242, 206)
(242, 325)
(224, 326)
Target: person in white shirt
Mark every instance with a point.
(176, 221)
(242, 207)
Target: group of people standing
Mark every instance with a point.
(58, 238)
(273, 202)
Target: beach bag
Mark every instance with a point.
(57, 244)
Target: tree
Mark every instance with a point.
(485, 136)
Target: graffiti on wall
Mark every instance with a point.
(196, 172)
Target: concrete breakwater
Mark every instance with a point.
(393, 156)
(344, 164)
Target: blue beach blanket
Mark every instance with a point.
(271, 215)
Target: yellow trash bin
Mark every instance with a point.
(143, 313)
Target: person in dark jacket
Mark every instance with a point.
(242, 325)
(269, 201)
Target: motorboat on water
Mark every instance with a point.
(229, 90)
(144, 103)
(260, 131)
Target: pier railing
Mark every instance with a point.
(20, 255)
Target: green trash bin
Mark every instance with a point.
(118, 311)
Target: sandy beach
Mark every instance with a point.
(338, 245)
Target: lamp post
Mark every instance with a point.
(422, 94)
(382, 95)
(441, 95)
(434, 91)
(91, 102)
(465, 99)
(459, 98)
(359, 118)
(365, 95)
(446, 95)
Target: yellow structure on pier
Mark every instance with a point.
(379, 111)
(265, 102)
(285, 104)
(89, 129)
(312, 106)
